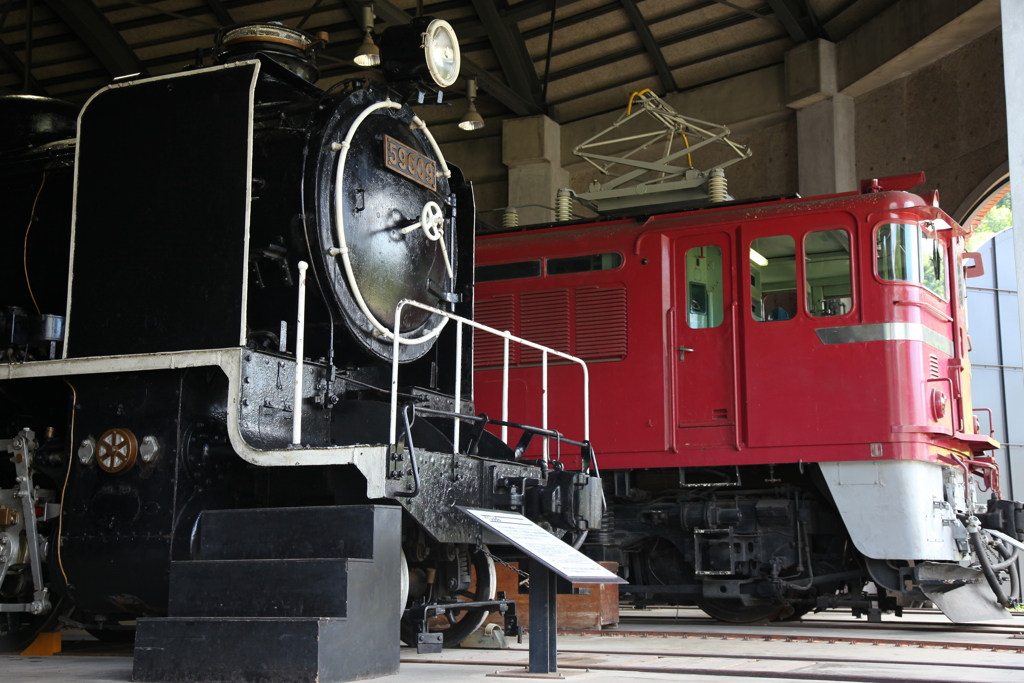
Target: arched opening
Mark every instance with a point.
(993, 215)
(996, 367)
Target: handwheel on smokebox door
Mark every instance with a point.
(116, 450)
(455, 626)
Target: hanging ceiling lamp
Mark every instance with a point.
(472, 120)
(368, 53)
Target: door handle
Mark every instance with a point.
(683, 351)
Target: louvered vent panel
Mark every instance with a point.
(499, 313)
(601, 323)
(544, 319)
(934, 366)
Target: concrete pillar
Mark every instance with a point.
(826, 154)
(1013, 77)
(531, 148)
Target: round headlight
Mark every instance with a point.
(441, 48)
(425, 48)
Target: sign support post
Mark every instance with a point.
(550, 558)
(543, 620)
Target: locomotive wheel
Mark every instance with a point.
(456, 627)
(735, 612)
(18, 629)
(797, 615)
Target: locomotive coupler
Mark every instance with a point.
(23, 447)
(559, 500)
(1006, 516)
(564, 500)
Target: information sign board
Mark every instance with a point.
(555, 554)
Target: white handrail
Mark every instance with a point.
(460, 321)
(544, 402)
(504, 387)
(300, 336)
(342, 249)
(458, 383)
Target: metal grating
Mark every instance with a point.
(601, 323)
(543, 319)
(934, 363)
(498, 312)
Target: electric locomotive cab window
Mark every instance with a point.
(508, 271)
(704, 287)
(827, 272)
(907, 253)
(773, 286)
(933, 264)
(583, 264)
(961, 280)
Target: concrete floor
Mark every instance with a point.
(920, 648)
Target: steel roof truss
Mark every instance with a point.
(798, 19)
(647, 38)
(18, 67)
(219, 11)
(510, 49)
(522, 106)
(94, 29)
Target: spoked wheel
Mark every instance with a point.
(735, 612)
(450, 586)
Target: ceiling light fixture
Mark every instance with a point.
(368, 53)
(472, 120)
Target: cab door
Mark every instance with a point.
(704, 340)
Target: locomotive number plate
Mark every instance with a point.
(406, 161)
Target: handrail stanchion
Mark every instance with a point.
(544, 403)
(394, 375)
(507, 339)
(504, 389)
(586, 402)
(458, 381)
(300, 337)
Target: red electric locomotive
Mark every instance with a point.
(781, 401)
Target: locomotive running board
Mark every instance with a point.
(367, 458)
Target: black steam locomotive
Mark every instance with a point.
(153, 335)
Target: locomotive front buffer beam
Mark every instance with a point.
(567, 501)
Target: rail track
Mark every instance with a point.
(680, 645)
(687, 646)
(915, 629)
